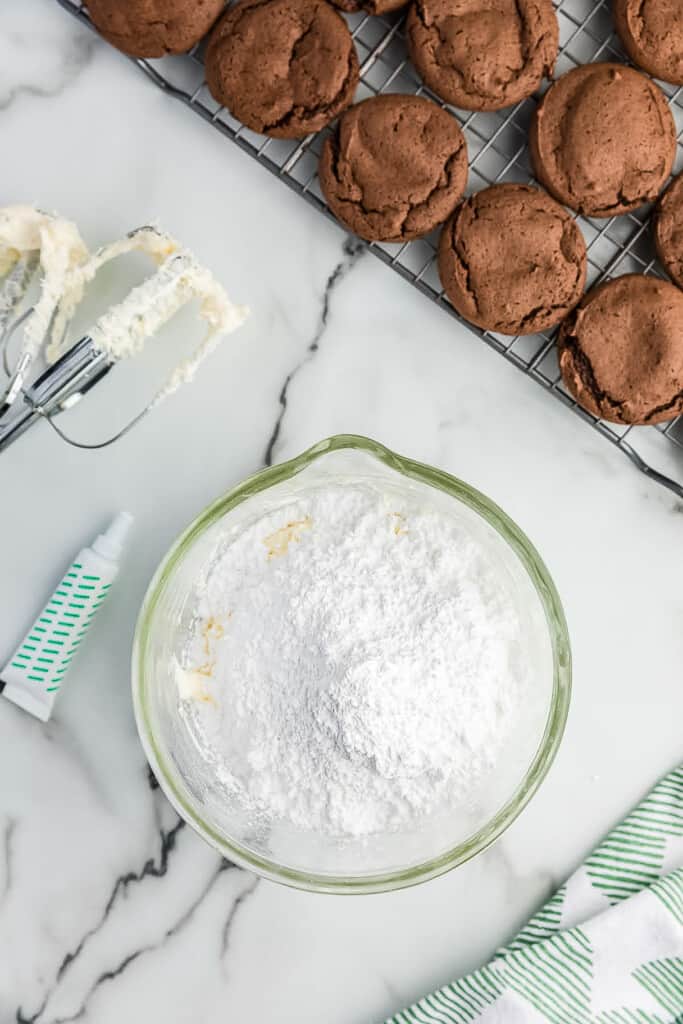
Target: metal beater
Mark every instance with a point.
(74, 368)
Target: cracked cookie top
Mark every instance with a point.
(652, 34)
(512, 260)
(153, 28)
(283, 67)
(621, 350)
(603, 140)
(668, 229)
(395, 167)
(483, 54)
(369, 6)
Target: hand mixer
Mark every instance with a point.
(30, 242)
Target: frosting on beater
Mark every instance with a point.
(25, 231)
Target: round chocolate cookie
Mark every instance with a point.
(369, 6)
(512, 260)
(153, 28)
(483, 54)
(669, 230)
(603, 139)
(621, 350)
(652, 34)
(282, 67)
(395, 167)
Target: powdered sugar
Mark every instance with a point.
(355, 663)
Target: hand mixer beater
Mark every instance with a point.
(34, 243)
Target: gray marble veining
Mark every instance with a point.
(111, 909)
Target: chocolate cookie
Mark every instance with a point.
(395, 168)
(512, 260)
(282, 67)
(369, 6)
(652, 34)
(153, 28)
(668, 227)
(483, 54)
(621, 350)
(603, 139)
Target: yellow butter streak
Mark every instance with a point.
(277, 543)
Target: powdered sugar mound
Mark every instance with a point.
(356, 664)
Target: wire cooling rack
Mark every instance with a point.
(497, 145)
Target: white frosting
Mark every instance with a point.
(123, 330)
(27, 234)
(146, 239)
(22, 229)
(60, 249)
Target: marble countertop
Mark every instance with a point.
(111, 909)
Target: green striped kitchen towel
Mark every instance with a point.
(606, 949)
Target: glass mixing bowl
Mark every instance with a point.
(377, 862)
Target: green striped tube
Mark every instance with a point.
(34, 673)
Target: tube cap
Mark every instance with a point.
(110, 544)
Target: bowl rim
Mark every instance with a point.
(559, 702)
